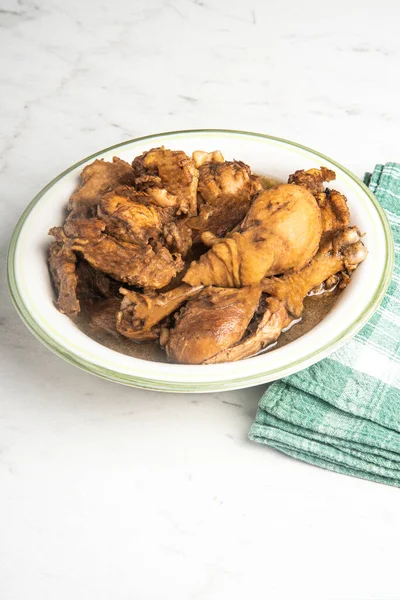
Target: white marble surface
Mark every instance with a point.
(109, 492)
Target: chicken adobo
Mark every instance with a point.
(197, 257)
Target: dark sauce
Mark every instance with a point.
(108, 336)
(315, 309)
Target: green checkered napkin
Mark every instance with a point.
(343, 413)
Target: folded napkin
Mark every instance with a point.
(343, 413)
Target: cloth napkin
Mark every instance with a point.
(343, 413)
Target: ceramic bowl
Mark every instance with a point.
(33, 296)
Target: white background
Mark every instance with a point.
(108, 492)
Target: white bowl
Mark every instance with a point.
(33, 296)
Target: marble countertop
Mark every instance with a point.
(108, 492)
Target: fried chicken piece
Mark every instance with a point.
(211, 323)
(140, 315)
(281, 231)
(98, 178)
(334, 210)
(313, 179)
(223, 182)
(273, 319)
(129, 220)
(226, 190)
(62, 265)
(343, 251)
(137, 264)
(169, 178)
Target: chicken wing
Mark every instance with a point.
(211, 323)
(281, 231)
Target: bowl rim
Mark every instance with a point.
(197, 386)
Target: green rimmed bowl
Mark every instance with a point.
(33, 295)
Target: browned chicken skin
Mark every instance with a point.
(129, 221)
(333, 205)
(274, 318)
(226, 190)
(98, 178)
(343, 251)
(134, 263)
(211, 323)
(222, 182)
(313, 179)
(281, 231)
(334, 210)
(140, 314)
(169, 178)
